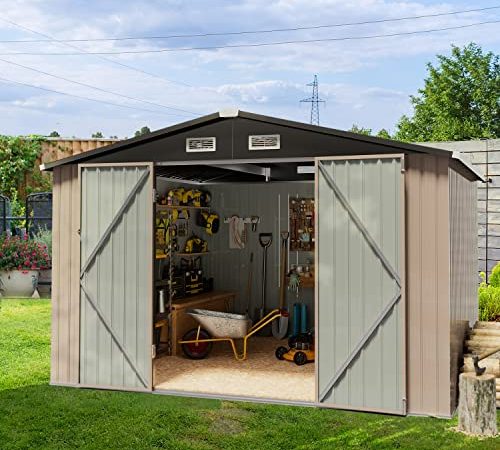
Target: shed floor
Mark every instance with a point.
(260, 376)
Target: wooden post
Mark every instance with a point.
(477, 413)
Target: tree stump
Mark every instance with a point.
(477, 413)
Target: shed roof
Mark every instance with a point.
(299, 140)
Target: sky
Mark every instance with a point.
(364, 81)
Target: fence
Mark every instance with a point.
(38, 215)
(484, 155)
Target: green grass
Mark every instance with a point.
(36, 415)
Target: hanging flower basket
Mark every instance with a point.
(20, 263)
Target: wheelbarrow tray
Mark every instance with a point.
(221, 324)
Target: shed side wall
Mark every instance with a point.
(463, 267)
(428, 276)
(65, 277)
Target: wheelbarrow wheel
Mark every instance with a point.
(300, 358)
(280, 353)
(198, 350)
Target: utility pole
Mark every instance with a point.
(314, 101)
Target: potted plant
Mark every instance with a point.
(44, 237)
(20, 262)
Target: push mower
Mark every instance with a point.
(300, 350)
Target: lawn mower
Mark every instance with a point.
(300, 349)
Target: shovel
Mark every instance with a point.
(280, 327)
(265, 241)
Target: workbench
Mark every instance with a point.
(182, 322)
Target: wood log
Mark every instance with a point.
(485, 332)
(477, 412)
(490, 325)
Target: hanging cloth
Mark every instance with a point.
(236, 232)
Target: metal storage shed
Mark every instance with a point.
(396, 256)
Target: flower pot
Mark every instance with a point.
(44, 283)
(18, 283)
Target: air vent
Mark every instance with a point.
(201, 144)
(264, 142)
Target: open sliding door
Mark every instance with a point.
(360, 313)
(116, 275)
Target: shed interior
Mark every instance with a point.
(209, 221)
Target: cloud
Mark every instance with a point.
(367, 82)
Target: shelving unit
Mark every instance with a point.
(187, 255)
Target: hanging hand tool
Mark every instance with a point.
(280, 327)
(265, 241)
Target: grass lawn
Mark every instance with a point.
(36, 415)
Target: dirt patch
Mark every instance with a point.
(229, 419)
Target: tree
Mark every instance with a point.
(144, 130)
(98, 135)
(383, 133)
(54, 134)
(360, 130)
(460, 99)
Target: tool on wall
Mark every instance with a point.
(265, 241)
(209, 221)
(254, 220)
(195, 244)
(280, 327)
(188, 197)
(165, 235)
(301, 216)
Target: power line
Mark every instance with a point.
(237, 33)
(97, 88)
(81, 97)
(259, 44)
(135, 69)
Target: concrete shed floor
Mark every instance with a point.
(260, 376)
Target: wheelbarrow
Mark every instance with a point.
(216, 326)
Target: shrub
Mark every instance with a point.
(44, 237)
(22, 254)
(489, 296)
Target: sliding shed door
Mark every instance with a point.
(116, 276)
(360, 283)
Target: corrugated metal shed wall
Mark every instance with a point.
(428, 285)
(65, 342)
(463, 257)
(120, 279)
(354, 287)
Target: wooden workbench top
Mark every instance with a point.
(195, 300)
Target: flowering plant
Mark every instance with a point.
(23, 254)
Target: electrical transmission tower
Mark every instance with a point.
(314, 101)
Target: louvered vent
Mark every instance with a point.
(264, 142)
(201, 144)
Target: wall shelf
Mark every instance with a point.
(179, 208)
(191, 254)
